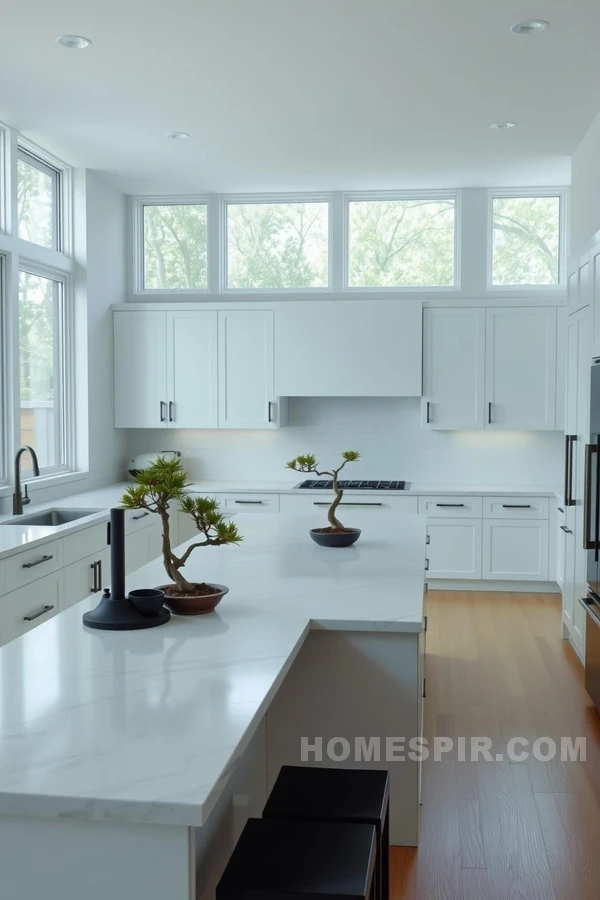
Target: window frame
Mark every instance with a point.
(36, 162)
(433, 196)
(257, 199)
(563, 246)
(64, 354)
(136, 231)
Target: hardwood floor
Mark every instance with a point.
(497, 667)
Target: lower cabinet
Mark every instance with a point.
(454, 549)
(29, 606)
(515, 550)
(142, 546)
(86, 576)
(353, 511)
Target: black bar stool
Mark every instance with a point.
(309, 793)
(275, 860)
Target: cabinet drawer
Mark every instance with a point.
(23, 568)
(25, 609)
(453, 507)
(84, 543)
(516, 507)
(136, 519)
(249, 503)
(374, 503)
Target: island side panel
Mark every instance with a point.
(354, 685)
(242, 794)
(44, 859)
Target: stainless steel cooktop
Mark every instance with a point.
(324, 485)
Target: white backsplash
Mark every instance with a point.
(388, 434)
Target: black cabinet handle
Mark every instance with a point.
(37, 562)
(490, 413)
(570, 440)
(450, 504)
(93, 567)
(171, 411)
(37, 614)
(249, 502)
(317, 503)
(99, 574)
(141, 516)
(163, 411)
(560, 509)
(428, 413)
(516, 506)
(270, 411)
(565, 529)
(427, 565)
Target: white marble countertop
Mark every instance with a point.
(14, 537)
(145, 726)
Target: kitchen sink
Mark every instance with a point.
(52, 517)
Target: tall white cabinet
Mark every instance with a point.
(492, 369)
(194, 369)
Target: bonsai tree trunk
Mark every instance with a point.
(333, 520)
(170, 560)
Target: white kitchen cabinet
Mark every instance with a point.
(85, 577)
(33, 564)
(355, 511)
(454, 549)
(348, 348)
(453, 368)
(594, 295)
(246, 376)
(142, 546)
(192, 370)
(521, 368)
(140, 367)
(568, 569)
(515, 550)
(26, 608)
(248, 503)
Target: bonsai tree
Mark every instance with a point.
(308, 463)
(163, 483)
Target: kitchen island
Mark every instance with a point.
(130, 761)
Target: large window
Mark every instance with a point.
(175, 246)
(526, 240)
(38, 201)
(42, 363)
(401, 243)
(274, 246)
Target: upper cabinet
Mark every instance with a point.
(348, 348)
(490, 368)
(594, 294)
(194, 369)
(453, 368)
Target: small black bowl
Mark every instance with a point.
(335, 538)
(147, 601)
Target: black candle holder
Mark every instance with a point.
(116, 612)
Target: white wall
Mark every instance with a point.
(585, 187)
(386, 431)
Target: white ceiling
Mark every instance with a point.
(304, 94)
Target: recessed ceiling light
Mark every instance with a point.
(177, 135)
(529, 26)
(73, 41)
(498, 126)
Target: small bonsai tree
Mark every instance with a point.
(308, 463)
(163, 483)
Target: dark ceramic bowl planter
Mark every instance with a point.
(194, 604)
(147, 601)
(330, 537)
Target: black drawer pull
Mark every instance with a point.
(450, 504)
(516, 506)
(37, 562)
(317, 503)
(248, 502)
(560, 509)
(37, 614)
(565, 529)
(141, 516)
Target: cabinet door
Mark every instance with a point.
(86, 576)
(453, 368)
(140, 367)
(595, 299)
(246, 389)
(568, 587)
(521, 369)
(142, 546)
(454, 549)
(192, 368)
(23, 610)
(515, 550)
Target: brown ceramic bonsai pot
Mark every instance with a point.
(193, 604)
(332, 537)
